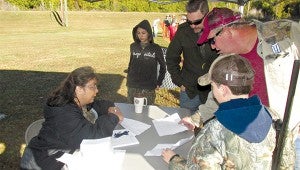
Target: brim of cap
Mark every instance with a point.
(203, 38)
(204, 80)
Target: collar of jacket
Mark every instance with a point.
(247, 118)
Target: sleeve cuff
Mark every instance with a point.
(176, 155)
(196, 118)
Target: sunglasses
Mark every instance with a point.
(212, 39)
(197, 22)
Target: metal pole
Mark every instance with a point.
(284, 130)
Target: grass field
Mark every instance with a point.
(36, 54)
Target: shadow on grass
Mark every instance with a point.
(22, 96)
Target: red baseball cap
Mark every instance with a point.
(215, 18)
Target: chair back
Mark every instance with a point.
(33, 129)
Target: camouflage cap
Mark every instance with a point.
(231, 70)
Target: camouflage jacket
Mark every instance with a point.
(217, 147)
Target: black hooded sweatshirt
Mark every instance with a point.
(142, 68)
(63, 131)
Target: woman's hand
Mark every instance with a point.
(187, 121)
(116, 111)
(167, 155)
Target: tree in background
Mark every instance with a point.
(275, 9)
(270, 9)
(105, 5)
(293, 9)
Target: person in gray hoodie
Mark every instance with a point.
(145, 55)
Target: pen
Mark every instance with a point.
(119, 134)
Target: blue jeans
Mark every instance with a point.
(297, 163)
(186, 102)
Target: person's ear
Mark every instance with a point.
(79, 90)
(224, 90)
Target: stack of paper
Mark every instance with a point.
(90, 148)
(94, 154)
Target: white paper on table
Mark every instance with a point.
(181, 142)
(77, 162)
(68, 159)
(157, 150)
(94, 147)
(134, 126)
(169, 125)
(124, 140)
(155, 112)
(89, 159)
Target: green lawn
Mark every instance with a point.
(36, 54)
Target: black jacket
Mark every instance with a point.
(196, 61)
(64, 129)
(142, 68)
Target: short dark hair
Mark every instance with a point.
(195, 5)
(235, 72)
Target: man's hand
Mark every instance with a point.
(187, 121)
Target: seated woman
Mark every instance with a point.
(71, 115)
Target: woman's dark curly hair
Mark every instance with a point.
(65, 93)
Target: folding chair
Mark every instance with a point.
(33, 129)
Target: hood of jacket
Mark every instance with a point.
(145, 25)
(247, 118)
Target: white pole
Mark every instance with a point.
(62, 11)
(66, 13)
